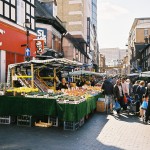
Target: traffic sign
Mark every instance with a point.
(27, 52)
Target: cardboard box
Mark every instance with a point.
(100, 106)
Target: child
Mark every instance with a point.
(144, 105)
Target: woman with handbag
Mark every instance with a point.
(118, 95)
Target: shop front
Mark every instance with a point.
(13, 44)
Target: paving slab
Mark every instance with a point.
(100, 132)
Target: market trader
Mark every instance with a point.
(63, 84)
(81, 82)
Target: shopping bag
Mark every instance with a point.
(117, 106)
(144, 105)
(125, 99)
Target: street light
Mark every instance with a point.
(27, 52)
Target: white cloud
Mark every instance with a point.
(109, 11)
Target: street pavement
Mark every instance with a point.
(100, 132)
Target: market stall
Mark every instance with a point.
(37, 99)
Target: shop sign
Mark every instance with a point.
(42, 34)
(1, 32)
(39, 46)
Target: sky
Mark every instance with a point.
(115, 18)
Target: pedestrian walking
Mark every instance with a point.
(140, 91)
(124, 86)
(107, 87)
(129, 87)
(119, 95)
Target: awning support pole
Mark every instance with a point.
(32, 74)
(54, 78)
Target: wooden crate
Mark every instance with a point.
(100, 107)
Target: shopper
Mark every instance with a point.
(135, 85)
(124, 87)
(140, 91)
(147, 115)
(118, 94)
(129, 87)
(107, 87)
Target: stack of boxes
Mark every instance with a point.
(100, 105)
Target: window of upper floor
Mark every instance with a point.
(145, 32)
(8, 9)
(18, 10)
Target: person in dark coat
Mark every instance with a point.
(63, 84)
(147, 115)
(107, 87)
(81, 82)
(140, 91)
(118, 95)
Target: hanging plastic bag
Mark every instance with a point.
(144, 105)
(125, 99)
(117, 106)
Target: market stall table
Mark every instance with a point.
(11, 105)
(75, 112)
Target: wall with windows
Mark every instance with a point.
(17, 11)
(13, 33)
(8, 9)
(141, 34)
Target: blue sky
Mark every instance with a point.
(115, 18)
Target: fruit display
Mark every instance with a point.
(23, 90)
(78, 95)
(44, 95)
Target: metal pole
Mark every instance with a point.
(55, 79)
(27, 38)
(32, 74)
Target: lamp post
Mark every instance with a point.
(27, 50)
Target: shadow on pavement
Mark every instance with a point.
(13, 137)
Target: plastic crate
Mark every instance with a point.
(5, 119)
(81, 123)
(54, 121)
(71, 125)
(24, 120)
